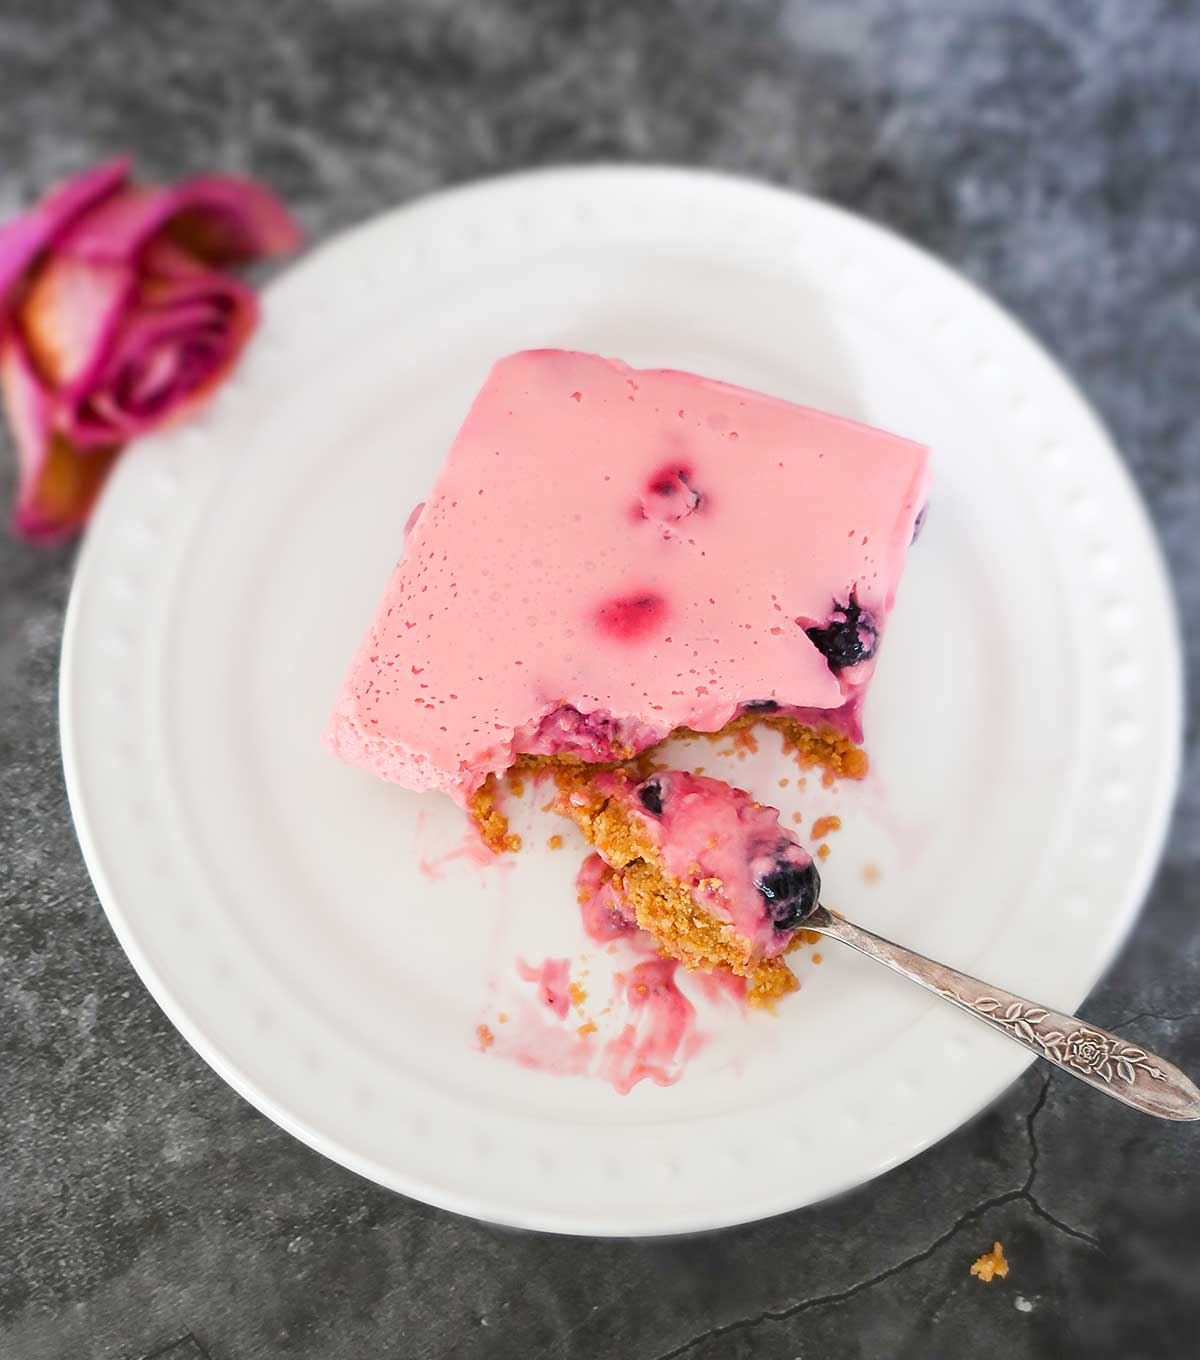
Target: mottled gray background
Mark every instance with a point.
(1049, 148)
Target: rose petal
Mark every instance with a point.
(22, 240)
(169, 352)
(221, 220)
(70, 313)
(163, 259)
(56, 485)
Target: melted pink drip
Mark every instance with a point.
(604, 916)
(471, 851)
(477, 854)
(656, 1023)
(532, 1043)
(720, 985)
(552, 977)
(660, 1037)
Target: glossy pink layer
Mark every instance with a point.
(610, 553)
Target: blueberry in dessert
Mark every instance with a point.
(849, 636)
(787, 879)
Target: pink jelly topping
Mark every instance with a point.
(648, 546)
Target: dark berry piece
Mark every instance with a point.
(791, 890)
(670, 495)
(650, 795)
(849, 636)
(760, 706)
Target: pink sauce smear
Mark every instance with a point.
(652, 1027)
(661, 1034)
(470, 850)
(553, 978)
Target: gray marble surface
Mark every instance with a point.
(1046, 147)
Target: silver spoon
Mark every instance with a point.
(1104, 1061)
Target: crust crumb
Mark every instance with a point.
(991, 1265)
(490, 822)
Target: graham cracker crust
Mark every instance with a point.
(490, 822)
(822, 747)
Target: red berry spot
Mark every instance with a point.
(671, 494)
(576, 396)
(630, 617)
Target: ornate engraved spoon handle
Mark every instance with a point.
(1093, 1055)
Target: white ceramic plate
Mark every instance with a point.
(1024, 723)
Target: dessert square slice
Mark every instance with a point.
(612, 555)
(711, 874)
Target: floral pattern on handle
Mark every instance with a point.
(1086, 1050)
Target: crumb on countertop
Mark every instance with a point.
(991, 1264)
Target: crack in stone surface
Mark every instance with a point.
(1152, 1015)
(1034, 1153)
(1024, 1194)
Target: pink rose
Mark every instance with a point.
(115, 317)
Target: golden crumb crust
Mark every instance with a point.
(823, 747)
(490, 822)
